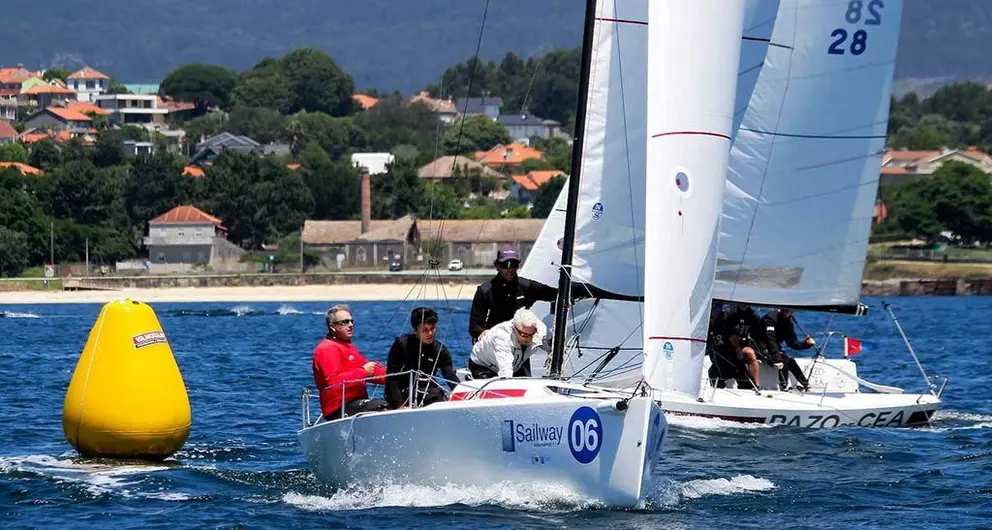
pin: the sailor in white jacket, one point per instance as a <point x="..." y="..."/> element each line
<point x="505" y="349"/>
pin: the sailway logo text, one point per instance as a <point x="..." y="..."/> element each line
<point x="532" y="434"/>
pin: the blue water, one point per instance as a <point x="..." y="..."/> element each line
<point x="245" y="364"/>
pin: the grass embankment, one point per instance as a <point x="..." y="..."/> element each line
<point x="891" y="269"/>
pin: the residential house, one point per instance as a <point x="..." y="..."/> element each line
<point x="413" y="241"/>
<point x="898" y="165"/>
<point x="366" y="101"/>
<point x="445" y="168"/>
<point x="490" y="106"/>
<point x="88" y="83"/>
<point x="143" y="88"/>
<point x="12" y="79"/>
<point x="374" y="162"/>
<point x="445" y="108"/>
<point x="8" y="109"/>
<point x="135" y="148"/>
<point x="506" y="158"/>
<point x="59" y="119"/>
<point x="45" y="95"/>
<point x="209" y="149"/>
<point x="7" y="133"/>
<point x="523" y="127"/>
<point x="132" y="108"/>
<point x="525" y="187"/>
<point x="180" y="110"/>
<point x="23" y="168"/>
<point x="185" y="238"/>
<point x="36" y="81"/>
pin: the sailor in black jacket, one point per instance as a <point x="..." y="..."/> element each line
<point x="778" y="329"/>
<point x="743" y="330"/>
<point x="418" y="351"/>
<point x="498" y="299"/>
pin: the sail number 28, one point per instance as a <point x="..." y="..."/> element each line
<point x="858" y="12"/>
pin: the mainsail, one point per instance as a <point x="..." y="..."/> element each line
<point x="804" y="169"/>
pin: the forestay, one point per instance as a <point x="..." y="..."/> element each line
<point x="804" y="168"/>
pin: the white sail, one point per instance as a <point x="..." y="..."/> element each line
<point x="609" y="251"/>
<point x="804" y="169"/>
<point x="609" y="217"/>
<point x="694" y="48"/>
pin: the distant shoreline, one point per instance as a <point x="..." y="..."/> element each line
<point x="295" y="293"/>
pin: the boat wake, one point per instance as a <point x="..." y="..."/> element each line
<point x="667" y="495"/>
<point x="700" y="423"/>
<point x="955" y="420"/>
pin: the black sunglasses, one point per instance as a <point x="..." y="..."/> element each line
<point x="510" y="265"/>
<point x="345" y="322"/>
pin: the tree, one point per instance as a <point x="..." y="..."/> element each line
<point x="45" y="155"/>
<point x="13" y="252"/>
<point x="90" y="196"/>
<point x="557" y="153"/>
<point x="260" y="124"/>
<point x="318" y="84"/>
<point x="155" y="185"/>
<point x="398" y="192"/>
<point x="335" y="186"/>
<point x="264" y="86"/>
<point x="961" y="195"/>
<point x="476" y="133"/>
<point x="13" y="152"/>
<point x="337" y="136"/>
<point x="546" y="196"/>
<point x="56" y="73"/>
<point x="393" y="122"/>
<point x="440" y="202"/>
<point x="204" y="85"/>
<point x="201" y="128"/>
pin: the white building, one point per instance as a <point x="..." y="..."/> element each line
<point x="132" y="108"/>
<point x="88" y="83"/>
<point x="375" y="162"/>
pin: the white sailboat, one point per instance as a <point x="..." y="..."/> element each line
<point x="598" y="442"/>
<point x="796" y="218"/>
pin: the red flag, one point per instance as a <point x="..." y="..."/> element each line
<point x="854" y="346"/>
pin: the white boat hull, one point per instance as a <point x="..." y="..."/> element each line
<point x="533" y="435"/>
<point x="834" y="400"/>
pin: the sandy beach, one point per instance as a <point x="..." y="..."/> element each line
<point x="304" y="293"/>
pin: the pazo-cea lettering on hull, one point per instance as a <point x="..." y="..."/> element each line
<point x="871" y="419"/>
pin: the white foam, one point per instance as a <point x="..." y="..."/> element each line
<point x="97" y="478"/>
<point x="526" y="496"/>
<point x="701" y="423"/>
<point x="242" y="310"/>
<point x="695" y="489"/>
<point x="289" y="310"/>
<point x="174" y="497"/>
<point x="14" y="314"/>
<point x="957" y="415"/>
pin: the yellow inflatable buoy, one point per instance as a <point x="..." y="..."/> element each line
<point x="126" y="398"/>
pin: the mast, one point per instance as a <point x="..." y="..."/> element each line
<point x="568" y="238"/>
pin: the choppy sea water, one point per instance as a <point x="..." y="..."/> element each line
<point x="245" y="364"/>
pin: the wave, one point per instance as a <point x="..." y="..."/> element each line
<point x="695" y="489"/>
<point x="956" y="420"/>
<point x="14" y="314"/>
<point x="98" y="477"/>
<point x="238" y="311"/>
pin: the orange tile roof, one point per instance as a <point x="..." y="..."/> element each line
<point x="87" y="108"/>
<point x="525" y="182"/>
<point x="68" y="114"/>
<point x="48" y="89"/>
<point x="23" y="168"/>
<point x="512" y="154"/>
<point x="185" y="214"/>
<point x="18" y="74"/>
<point x="32" y="137"/>
<point x="366" y="101"/>
<point x="193" y="171"/>
<point x="7" y="130"/>
<point x="909" y="156"/>
<point x="895" y="171"/>
<point x="88" y="73"/>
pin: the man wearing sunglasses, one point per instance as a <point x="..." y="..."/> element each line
<point x="340" y="371"/>
<point x="499" y="298"/>
<point x="505" y="350"/>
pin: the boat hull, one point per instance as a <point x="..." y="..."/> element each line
<point x="808" y="410"/>
<point x="584" y="444"/>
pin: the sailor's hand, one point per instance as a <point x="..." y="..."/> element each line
<point x="369" y="367"/>
<point x="779" y="366"/>
<point x="810" y="341"/>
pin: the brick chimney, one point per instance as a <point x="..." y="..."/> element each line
<point x="366" y="200"/>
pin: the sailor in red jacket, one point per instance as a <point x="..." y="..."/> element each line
<point x="337" y="363"/>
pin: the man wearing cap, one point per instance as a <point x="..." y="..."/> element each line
<point x="498" y="299"/>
